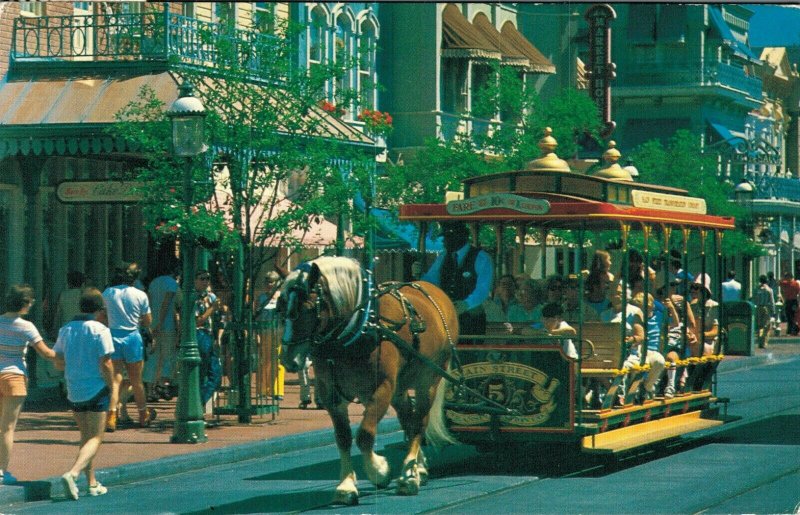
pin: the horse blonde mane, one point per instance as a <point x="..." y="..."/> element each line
<point x="343" y="276"/>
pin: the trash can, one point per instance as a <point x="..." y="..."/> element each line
<point x="739" y="323"/>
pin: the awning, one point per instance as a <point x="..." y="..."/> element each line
<point x="511" y="56"/>
<point x="538" y="62"/>
<point x="732" y="137"/>
<point x="70" y="116"/>
<point x="461" y="39"/>
<point x="737" y="44"/>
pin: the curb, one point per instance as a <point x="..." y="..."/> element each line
<point x="44" y="489"/>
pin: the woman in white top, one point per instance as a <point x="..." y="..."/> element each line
<point x="16" y="334"/>
<point x="128" y="308"/>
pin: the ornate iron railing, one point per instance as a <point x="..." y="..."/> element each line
<point x="140" y="37"/>
<point x="658" y="73"/>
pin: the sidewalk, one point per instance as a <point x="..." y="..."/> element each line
<point x="46" y="437"/>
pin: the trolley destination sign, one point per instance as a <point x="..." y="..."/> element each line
<point x="668" y="202"/>
<point x="99" y="192"/>
<point x="517" y="203"/>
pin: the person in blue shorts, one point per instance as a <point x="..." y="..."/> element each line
<point x="128" y="309"/>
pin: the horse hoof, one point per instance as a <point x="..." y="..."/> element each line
<point x="422" y="468"/>
<point x="346" y="498"/>
<point x="407" y="486"/>
<point x="383" y="482"/>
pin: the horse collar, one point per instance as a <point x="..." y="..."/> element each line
<point x="361" y="319"/>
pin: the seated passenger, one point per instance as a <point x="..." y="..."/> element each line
<point x="527" y="309"/>
<point x="701" y="295"/>
<point x="597" y="286"/>
<point x="497" y="306"/>
<point x="572" y="303"/>
<point x="553" y="321"/>
<point x="653" y="338"/>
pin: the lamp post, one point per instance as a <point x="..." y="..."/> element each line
<point x="744" y="193"/>
<point x="187" y="115"/>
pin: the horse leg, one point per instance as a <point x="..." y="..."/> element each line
<point x="376" y="466"/>
<point x="346" y="491"/>
<point x="415" y="465"/>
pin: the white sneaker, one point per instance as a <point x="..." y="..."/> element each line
<point x="669" y="392"/>
<point x="70" y="487"/>
<point x="97" y="489"/>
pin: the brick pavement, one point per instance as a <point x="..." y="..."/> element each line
<point x="46" y="437"/>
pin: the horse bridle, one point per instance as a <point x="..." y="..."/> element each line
<point x="348" y="330"/>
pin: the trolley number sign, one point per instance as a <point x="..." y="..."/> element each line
<point x="520" y="204"/>
<point x="99" y="192"/>
<point x="536" y="383"/>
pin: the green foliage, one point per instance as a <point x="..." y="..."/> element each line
<point x="441" y="165"/>
<point x="682" y="163"/>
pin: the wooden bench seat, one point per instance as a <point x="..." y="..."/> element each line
<point x="602" y="347"/>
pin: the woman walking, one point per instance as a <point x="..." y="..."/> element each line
<point x="16" y="334"/>
<point x="128" y="309"/>
<point x="83" y="350"/>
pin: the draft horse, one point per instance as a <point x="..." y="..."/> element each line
<point x="371" y="345"/>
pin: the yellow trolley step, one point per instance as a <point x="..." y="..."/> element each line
<point x="638" y="435"/>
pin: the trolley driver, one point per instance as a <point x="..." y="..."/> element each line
<point x="465" y="273"/>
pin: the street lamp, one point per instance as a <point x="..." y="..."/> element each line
<point x="187" y="115"/>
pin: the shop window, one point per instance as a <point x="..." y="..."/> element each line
<point x="187" y="9"/>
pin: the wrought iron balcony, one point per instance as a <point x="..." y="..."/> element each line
<point x="123" y="39"/>
<point x="672" y="74"/>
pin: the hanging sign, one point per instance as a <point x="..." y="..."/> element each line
<point x="520" y="204"/>
<point x="99" y="192"/>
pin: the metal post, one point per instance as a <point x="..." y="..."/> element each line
<point x="189" y="424"/>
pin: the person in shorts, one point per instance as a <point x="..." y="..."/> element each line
<point x="16" y="334"/>
<point x="83" y="350"/>
<point x="128" y="309"/>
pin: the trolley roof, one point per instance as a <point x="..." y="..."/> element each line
<point x="564" y="199"/>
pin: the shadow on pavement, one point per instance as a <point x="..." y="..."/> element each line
<point x="277" y="503"/>
<point x="777" y="430"/>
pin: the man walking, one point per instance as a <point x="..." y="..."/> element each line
<point x="790" y="288"/>
<point x="731" y="289"/>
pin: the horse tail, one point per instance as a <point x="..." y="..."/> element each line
<point x="436" y="433"/>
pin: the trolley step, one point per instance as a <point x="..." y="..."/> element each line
<point x="638" y="435"/>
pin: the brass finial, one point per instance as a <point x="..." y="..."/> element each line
<point x="613" y="170"/>
<point x="549" y="162"/>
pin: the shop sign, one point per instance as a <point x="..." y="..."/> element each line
<point x="99" y="192"/>
<point x="520" y="204"/>
<point x="668" y="202"/>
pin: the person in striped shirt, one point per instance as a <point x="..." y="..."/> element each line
<point x="16" y="335"/>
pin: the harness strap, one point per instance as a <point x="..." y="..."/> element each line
<point x="458" y="383"/>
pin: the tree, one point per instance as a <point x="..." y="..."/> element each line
<point x="275" y="164"/>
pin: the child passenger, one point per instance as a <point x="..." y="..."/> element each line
<point x="553" y="322"/>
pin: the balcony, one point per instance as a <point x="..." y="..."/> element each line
<point x="136" y="40"/>
<point x="660" y="74"/>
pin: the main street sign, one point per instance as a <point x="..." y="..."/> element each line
<point x="99" y="192"/>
